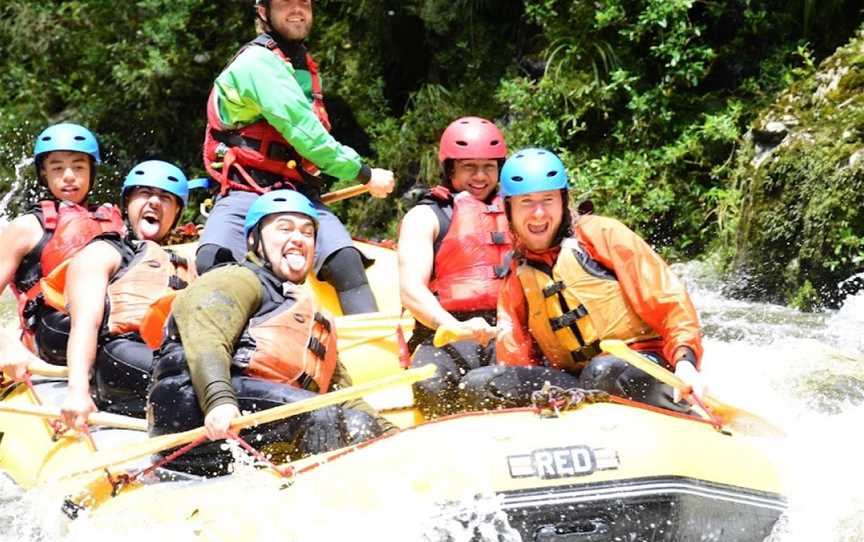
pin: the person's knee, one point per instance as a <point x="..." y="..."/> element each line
<point x="322" y="431"/>
<point x="360" y="426"/>
<point x="122" y="372"/>
<point x="173" y="406"/>
<point x="209" y="256"/>
<point x="52" y="335"/>
<point x="602" y="373"/>
<point x="493" y="387"/>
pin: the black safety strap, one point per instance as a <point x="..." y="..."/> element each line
<point x="176" y="283"/>
<point x="569" y="318"/>
<point x="322" y="320"/>
<point x="317" y="347"/>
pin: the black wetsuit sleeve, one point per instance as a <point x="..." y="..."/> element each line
<point x="211" y="315"/>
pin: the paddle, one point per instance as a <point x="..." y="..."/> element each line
<point x="116" y="456"/>
<point x="445" y="335"/>
<point x="46" y="369"/>
<point x="733" y="417"/>
<point x="344" y="193"/>
<point x="103" y="419"/>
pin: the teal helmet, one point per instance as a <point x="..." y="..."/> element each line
<point x="532" y="170"/>
<point x="66" y="136"/>
<point x="157" y="174"/>
<point x="277" y="202"/>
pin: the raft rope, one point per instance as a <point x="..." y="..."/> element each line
<point x="119" y="481"/>
<point x="57" y="425"/>
<point x="550" y="400"/>
<point x="716" y="422"/>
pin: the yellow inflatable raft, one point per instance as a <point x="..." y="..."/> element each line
<point x="596" y="471"/>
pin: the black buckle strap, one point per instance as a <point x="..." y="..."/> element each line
<point x="499" y="238"/>
<point x="176" y="283"/>
<point x="275" y="150"/>
<point x="177" y="260"/>
<point x="568" y="318"/>
<point x="306" y="382"/>
<point x="322" y="320"/>
<point x="233" y="139"/>
<point x="553" y="288"/>
<point x="316" y="347"/>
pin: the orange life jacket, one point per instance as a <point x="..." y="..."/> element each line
<point x="470" y="252"/>
<point x="235" y="157"/>
<point x="147" y="271"/>
<point x="575" y="305"/>
<point x="288" y="340"/>
<point x="67" y="227"/>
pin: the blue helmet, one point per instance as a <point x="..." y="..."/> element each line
<point x="532" y="170"/>
<point x="67" y="137"/>
<point x="157" y="174"/>
<point x="277" y="202"/>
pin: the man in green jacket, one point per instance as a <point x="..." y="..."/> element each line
<point x="267" y="128"/>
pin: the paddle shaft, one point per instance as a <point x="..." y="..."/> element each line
<point x="46" y="369"/>
<point x="103" y="419"/>
<point x="344" y="193"/>
<point x="157" y="444"/>
<point x="727" y="414"/>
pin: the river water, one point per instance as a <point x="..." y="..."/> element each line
<point x="803" y="371"/>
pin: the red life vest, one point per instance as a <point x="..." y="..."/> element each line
<point x="469" y="264"/>
<point x="288" y="340"/>
<point x="68" y="228"/>
<point x="258" y="147"/>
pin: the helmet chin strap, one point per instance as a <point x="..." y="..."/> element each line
<point x="259" y="248"/>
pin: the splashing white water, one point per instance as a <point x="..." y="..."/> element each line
<point x="806" y="373"/>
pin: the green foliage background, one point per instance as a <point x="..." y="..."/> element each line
<point x="644" y="99"/>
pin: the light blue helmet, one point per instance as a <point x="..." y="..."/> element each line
<point x="67" y="137"/>
<point x="277" y="202"/>
<point x="532" y="170"/>
<point x="157" y="174"/>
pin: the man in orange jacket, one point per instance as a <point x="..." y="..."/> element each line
<point x="576" y="280"/>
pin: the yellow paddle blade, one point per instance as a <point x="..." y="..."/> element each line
<point x="445" y="335"/>
<point x="116" y="456"/>
<point x="735" y="418"/>
<point x="103" y="419"/>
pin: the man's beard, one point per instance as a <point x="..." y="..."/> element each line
<point x="293" y="32"/>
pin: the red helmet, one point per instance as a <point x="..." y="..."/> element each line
<point x="471" y="138"/>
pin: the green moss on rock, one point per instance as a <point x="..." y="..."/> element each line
<point x="801" y="227"/>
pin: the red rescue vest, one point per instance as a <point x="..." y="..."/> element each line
<point x="258" y="147"/>
<point x="68" y="227"/>
<point x="469" y="263"/>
